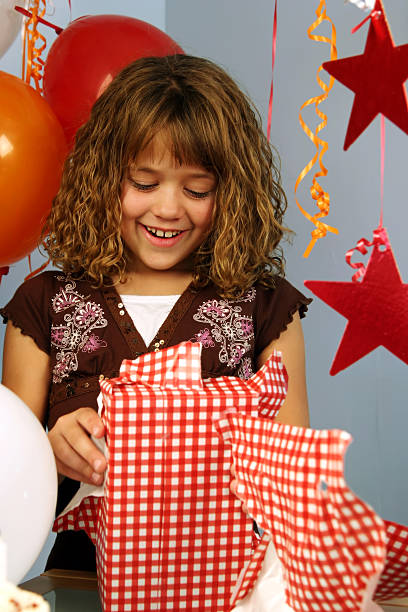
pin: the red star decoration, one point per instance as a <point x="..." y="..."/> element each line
<point x="377" y="77"/>
<point x="376" y="309"/>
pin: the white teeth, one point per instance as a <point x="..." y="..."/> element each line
<point x="161" y="234"/>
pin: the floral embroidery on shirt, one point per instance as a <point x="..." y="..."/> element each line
<point x="203" y="336"/>
<point x="77" y="332"/>
<point x="245" y="369"/>
<point x="232" y="330"/>
<point x="93" y="343"/>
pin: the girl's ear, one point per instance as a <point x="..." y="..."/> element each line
<point x="106" y="81"/>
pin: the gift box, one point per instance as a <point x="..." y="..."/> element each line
<point x="169" y="534"/>
<point x="334" y="552"/>
<point x="393" y="582"/>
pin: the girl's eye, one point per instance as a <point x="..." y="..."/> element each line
<point x="198" y="194"/>
<point x="142" y="186"/>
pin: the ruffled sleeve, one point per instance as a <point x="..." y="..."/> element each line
<point x="274" y="311"/>
<point x="29" y="310"/>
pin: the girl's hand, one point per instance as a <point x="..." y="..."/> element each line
<point x="233" y="488"/>
<point x="76" y="455"/>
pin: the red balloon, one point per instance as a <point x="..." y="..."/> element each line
<point x="32" y="151"/>
<point x="85" y="57"/>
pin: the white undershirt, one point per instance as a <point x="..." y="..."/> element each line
<point x="148" y="312"/>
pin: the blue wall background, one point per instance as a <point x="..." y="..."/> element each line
<point x="369" y="399"/>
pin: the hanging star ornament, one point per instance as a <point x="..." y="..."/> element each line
<point x="376" y="308"/>
<point x="377" y="77"/>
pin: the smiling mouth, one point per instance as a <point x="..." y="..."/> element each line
<point x="162" y="233"/>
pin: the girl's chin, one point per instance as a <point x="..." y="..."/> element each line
<point x="138" y="266"/>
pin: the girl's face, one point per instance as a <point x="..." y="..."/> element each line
<point x="166" y="208"/>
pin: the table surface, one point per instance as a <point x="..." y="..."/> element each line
<point x="67" y="591"/>
<point x="71" y="591"/>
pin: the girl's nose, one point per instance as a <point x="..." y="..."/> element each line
<point x="167" y="204"/>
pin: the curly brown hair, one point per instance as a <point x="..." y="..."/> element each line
<point x="210" y="122"/>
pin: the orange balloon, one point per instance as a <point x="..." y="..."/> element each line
<point x="32" y="151"/>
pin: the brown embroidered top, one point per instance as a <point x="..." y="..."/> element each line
<point x="87" y="332"/>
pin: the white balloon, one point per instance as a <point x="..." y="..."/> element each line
<point x="28" y="484"/>
<point x="10" y="23"/>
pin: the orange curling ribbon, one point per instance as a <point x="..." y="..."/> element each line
<point x="33" y="45"/>
<point x="319" y="195"/>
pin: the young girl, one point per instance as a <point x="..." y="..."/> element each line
<point x="165" y="229"/>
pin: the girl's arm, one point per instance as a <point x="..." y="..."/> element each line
<point x="294" y="410"/>
<point x="26" y="371"/>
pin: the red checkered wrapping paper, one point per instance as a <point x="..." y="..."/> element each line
<point x="330" y="543"/>
<point x="393" y="581"/>
<point x="249" y="574"/>
<point x="169" y="534"/>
